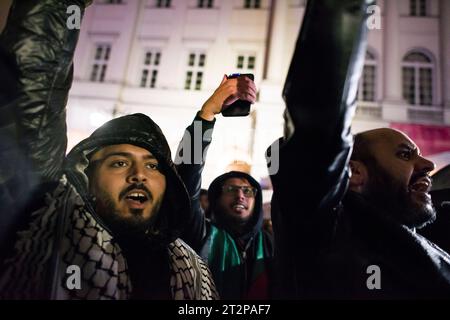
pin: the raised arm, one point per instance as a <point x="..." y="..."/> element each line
<point x="191" y="154"/>
<point x="36" y="51"/>
<point x="38" y="38"/>
<point x="320" y="93"/>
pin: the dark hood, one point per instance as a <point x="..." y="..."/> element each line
<point x="214" y="191"/>
<point x="139" y="130"/>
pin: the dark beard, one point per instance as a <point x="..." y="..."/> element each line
<point x="235" y="225"/>
<point x="389" y="196"/>
<point x="135" y="227"/>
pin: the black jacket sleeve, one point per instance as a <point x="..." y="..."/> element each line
<point x="42" y="46"/>
<point x="320" y="93"/>
<point x="37" y="51"/>
<point x="190" y="160"/>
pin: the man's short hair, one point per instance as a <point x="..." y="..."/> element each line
<point x="362" y="148"/>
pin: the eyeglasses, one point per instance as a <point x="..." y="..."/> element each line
<point x="249" y="192"/>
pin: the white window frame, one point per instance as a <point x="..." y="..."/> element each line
<point x="416" y="67"/>
<point x="246" y="56"/>
<point x="150" y="64"/>
<point x="371" y="61"/>
<point x="101" y="62"/>
<point x="416" y="4"/>
<point x="196" y="66"/>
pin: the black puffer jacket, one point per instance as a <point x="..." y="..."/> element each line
<point x="329" y="242"/>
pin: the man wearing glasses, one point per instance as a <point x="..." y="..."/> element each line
<point x="238" y="251"/>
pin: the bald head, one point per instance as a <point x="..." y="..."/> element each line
<point x="388" y="169"/>
<point x="366" y="143"/>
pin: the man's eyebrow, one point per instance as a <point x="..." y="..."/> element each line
<point x="409" y="147"/>
<point x="149" y="157"/>
<point x="113" y="154"/>
<point x="126" y="155"/>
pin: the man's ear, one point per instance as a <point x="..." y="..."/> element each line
<point x="359" y="176"/>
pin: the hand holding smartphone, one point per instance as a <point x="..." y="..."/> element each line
<point x="240" y="108"/>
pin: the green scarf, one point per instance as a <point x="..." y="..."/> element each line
<point x="227" y="265"/>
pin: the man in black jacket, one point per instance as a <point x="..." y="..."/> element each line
<point x="344" y="222"/>
<point x="105" y="219"/>
<point x="237" y="249"/>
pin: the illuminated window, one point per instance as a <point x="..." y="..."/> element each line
<point x="100" y="62"/>
<point x="418" y="79"/>
<point x="367" y="83"/>
<point x="246" y="63"/>
<point x="150" y="68"/>
<point x="195" y="71"/>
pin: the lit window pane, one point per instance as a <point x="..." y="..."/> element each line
<point x="144" y="78"/>
<point x="409" y="85"/>
<point x="198" y="83"/>
<point x="251" y="62"/>
<point x="240" y="62"/>
<point x="425" y="87"/>
<point x="148" y="58"/>
<point x="188" y="81"/>
<point x="107" y="52"/>
<point x="368" y="85"/>
<point x="94" y="72"/>
<point x="98" y="52"/>
<point x="153" y="79"/>
<point x="201" y="62"/>
<point x="103" y="73"/>
<point x="191" y="59"/>
<point x="157" y="57"/>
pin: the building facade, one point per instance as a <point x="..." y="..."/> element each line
<point x="164" y="58"/>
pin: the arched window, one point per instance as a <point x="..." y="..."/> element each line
<point x="418" y="79"/>
<point x="367" y="84"/>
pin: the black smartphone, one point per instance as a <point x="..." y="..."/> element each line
<point x="240" y="108"/>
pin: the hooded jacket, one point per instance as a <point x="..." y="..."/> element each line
<point x="65" y="250"/>
<point x="330" y="242"/>
<point x="241" y="264"/>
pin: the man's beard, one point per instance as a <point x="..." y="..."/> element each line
<point x="134" y="226"/>
<point x="232" y="223"/>
<point x="387" y="194"/>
